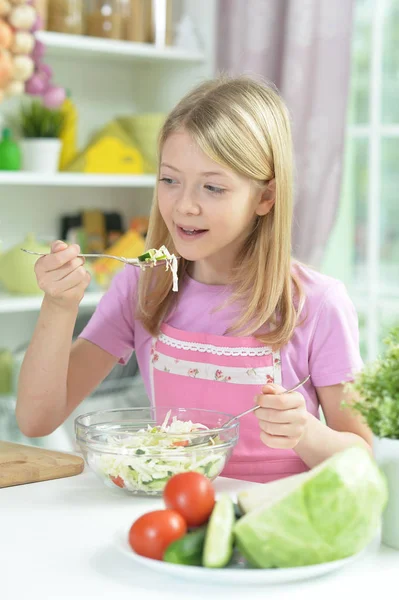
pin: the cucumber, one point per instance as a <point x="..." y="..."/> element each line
<point x="238" y="512"/>
<point x="214" y="469"/>
<point x="157" y="484"/>
<point x="188" y="549"/>
<point x="146" y="256"/>
<point x="218" y="547"/>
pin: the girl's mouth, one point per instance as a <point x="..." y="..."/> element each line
<point x="190" y="232"/>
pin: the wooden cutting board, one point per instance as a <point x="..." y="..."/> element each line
<point x="27" y="464"/>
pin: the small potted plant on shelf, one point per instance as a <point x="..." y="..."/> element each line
<point x="40" y="130"/>
<point x="376" y="390"/>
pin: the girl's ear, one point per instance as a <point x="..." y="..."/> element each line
<point x="267" y="198"/>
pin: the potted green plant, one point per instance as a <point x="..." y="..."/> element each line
<point x="40" y="129"/>
<point x="376" y="389"/>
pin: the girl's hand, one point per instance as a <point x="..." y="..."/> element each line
<point x="282" y="418"/>
<point x="62" y="276"/>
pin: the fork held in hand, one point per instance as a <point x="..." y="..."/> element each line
<point x="253" y="408"/>
<point x="128" y="261"/>
<point x="204" y="439"/>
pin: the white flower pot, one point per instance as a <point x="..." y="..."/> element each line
<point x="386" y="452"/>
<point x="41" y="155"/>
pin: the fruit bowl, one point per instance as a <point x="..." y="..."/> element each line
<point x="137" y="450"/>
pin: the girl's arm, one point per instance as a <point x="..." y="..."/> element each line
<point x="343" y="429"/>
<point x="57" y="375"/>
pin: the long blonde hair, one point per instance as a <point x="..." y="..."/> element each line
<point x="241" y="124"/>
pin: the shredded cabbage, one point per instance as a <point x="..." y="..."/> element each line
<point x="170" y="262"/>
<point x="145" y="461"/>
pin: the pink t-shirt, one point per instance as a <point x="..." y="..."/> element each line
<point x="325" y="344"/>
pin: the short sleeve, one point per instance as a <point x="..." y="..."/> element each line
<point x="334" y="354"/>
<point x="112" y="325"/>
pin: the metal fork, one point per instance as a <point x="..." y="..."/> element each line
<point x="128" y="261"/>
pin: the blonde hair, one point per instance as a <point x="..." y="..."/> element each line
<point x="243" y="125"/>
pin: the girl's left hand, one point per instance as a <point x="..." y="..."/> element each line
<point x="282" y="418"/>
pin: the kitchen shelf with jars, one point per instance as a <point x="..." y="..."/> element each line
<point x="92" y="150"/>
<point x="79" y="128"/>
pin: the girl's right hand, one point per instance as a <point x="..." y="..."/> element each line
<point x="62" y="276"/>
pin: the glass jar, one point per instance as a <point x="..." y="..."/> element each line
<point x="104" y="19"/>
<point x="137" y="20"/>
<point x="148" y="21"/>
<point x="65" y="16"/>
<point x="41" y="7"/>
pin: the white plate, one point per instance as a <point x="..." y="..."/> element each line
<point x="232" y="575"/>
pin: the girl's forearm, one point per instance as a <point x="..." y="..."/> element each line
<point x="319" y="442"/>
<point x="42" y="386"/>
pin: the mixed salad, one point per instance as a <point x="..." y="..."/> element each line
<point x="153" y="256"/>
<point x="145" y="460"/>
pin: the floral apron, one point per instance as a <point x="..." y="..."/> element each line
<point x="222" y="373"/>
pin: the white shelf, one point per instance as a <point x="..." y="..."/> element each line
<point x="86" y="46"/>
<point x="76" y="179"/>
<point x="15" y="304"/>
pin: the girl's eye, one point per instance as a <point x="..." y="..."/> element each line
<point x="168" y="180"/>
<point x="215" y="190"/>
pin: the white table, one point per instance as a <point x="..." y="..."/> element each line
<point x="56" y="542"/>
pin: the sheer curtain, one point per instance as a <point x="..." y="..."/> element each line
<point x="304" y="47"/>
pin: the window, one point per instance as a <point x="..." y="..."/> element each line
<point x="364" y="248"/>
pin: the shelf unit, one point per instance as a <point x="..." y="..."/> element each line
<point x="108" y="79"/>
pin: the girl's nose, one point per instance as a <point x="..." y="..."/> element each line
<point x="186" y="203"/>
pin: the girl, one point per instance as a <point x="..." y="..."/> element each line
<point x="247" y="323"/>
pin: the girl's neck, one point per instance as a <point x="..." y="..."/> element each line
<point x="210" y="272"/>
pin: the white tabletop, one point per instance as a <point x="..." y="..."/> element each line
<point x="56" y="541"/>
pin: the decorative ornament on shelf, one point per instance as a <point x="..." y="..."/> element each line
<point x="186" y="35"/>
<point x="40" y="128"/>
<point x="22" y="69"/>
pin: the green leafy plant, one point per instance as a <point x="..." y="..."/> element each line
<point x="36" y="121"/>
<point x="376" y="391"/>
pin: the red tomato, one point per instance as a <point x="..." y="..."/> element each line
<point x="152" y="533"/>
<point x="117" y="481"/>
<point x="192" y="495"/>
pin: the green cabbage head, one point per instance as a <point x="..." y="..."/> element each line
<point x="331" y="512"/>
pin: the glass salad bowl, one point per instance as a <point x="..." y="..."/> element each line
<point x="137" y="450"/>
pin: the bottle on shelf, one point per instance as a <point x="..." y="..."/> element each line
<point x="136" y="19"/>
<point x="41" y="7"/>
<point x="148" y="21"/>
<point x="10" y="153"/>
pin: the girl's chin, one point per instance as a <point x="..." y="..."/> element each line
<point x="190" y="251"/>
<point x="191" y="255"/>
